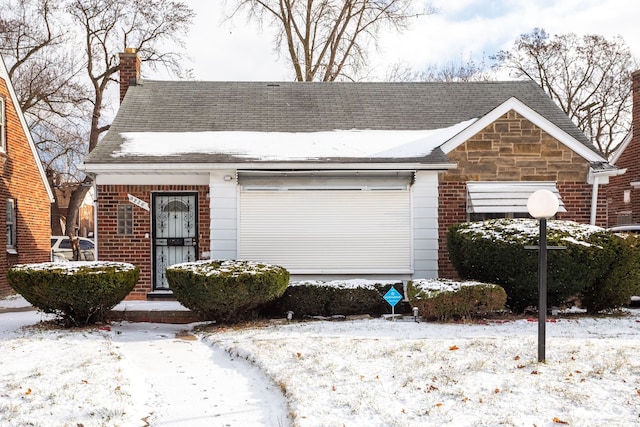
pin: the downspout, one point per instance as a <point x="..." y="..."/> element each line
<point x="95" y="217"/>
<point x="594" y="200"/>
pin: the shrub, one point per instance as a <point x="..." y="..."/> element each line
<point x="226" y="290"/>
<point x="620" y="282"/>
<point x="80" y="293"/>
<point x="314" y="298"/>
<point x="444" y="299"/>
<point x="494" y="252"/>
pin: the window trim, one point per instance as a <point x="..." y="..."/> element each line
<point x="11" y="217"/>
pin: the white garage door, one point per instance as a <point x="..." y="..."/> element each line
<point x="316" y="231"/>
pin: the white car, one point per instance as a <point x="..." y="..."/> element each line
<point x="61" y="249"/>
<point x="629" y="228"/>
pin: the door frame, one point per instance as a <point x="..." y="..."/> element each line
<point x="154" y="196"/>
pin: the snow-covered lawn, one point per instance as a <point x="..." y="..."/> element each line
<point x="371" y="372"/>
<point x="382" y="373"/>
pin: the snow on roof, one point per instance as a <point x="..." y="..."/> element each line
<point x="291" y="145"/>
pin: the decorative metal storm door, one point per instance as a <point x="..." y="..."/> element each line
<point x="175" y="233"/>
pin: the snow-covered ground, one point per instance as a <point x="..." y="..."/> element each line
<point x="371" y="372"/>
<point x="125" y="374"/>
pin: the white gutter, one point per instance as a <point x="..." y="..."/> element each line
<point x="594" y="199"/>
<point x="95" y="218"/>
<point x="179" y="168"/>
<point x="594" y="178"/>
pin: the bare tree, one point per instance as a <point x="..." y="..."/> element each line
<point x="329" y="40"/>
<point x="34" y="43"/>
<point x="63" y="89"/>
<point x="588" y="77"/>
<point x="452" y="71"/>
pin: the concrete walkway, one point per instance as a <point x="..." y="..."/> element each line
<point x="194" y="384"/>
<point x="187" y="382"/>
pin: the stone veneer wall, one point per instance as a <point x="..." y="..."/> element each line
<point x="136" y="248"/>
<point x="513" y="149"/>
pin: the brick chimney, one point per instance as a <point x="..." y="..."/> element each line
<point x="129" y="70"/>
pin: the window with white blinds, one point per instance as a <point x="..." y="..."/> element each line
<point x="343" y="231"/>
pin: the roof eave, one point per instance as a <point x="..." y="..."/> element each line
<point x="200" y="168"/>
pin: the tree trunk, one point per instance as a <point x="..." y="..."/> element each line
<point x="56" y="225"/>
<point x="75" y="201"/>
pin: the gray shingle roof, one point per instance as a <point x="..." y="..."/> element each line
<point x="192" y="106"/>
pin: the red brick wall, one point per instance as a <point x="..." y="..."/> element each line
<point x="22" y="181"/>
<point x="452" y="209"/>
<point x="629" y="160"/>
<point x="136" y="248"/>
<point x="513" y="149"/>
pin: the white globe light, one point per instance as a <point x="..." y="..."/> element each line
<point x="542" y="204"/>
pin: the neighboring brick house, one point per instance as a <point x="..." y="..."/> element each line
<point x="623" y="192"/>
<point x="24" y="192"/>
<point x="330" y="180"/>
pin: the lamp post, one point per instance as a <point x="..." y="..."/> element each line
<point x="542" y="205"/>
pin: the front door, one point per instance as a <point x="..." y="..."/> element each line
<point x="175" y="233"/>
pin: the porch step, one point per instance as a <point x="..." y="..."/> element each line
<point x="157" y="311"/>
<point x="154" y="316"/>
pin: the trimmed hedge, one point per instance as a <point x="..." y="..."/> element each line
<point x="621" y="281"/>
<point x="346" y="298"/>
<point x="79" y="293"/>
<point x="494" y="252"/>
<point x="442" y="299"/>
<point x="226" y="290"/>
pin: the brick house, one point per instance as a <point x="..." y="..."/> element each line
<point x="330" y="180"/>
<point x="26" y="195"/>
<point x="623" y="192"/>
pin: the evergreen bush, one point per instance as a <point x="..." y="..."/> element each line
<point x="79" y="293"/>
<point x="315" y="298"/>
<point x="621" y="281"/>
<point x="495" y="251"/>
<point x="443" y="300"/>
<point x="226" y="290"/>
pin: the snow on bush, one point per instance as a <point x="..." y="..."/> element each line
<point x="79" y="293"/>
<point x="226" y="290"/>
<point x="591" y="264"/>
<point x="442" y="299"/>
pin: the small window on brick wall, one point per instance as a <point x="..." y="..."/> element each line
<point x="11" y="225"/>
<point x="125" y="219"/>
<point x="624" y="218"/>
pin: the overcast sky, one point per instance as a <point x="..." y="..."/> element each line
<point x="240" y="51"/>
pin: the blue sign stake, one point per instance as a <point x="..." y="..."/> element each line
<point x="393" y="297"/>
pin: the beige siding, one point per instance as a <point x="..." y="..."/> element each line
<point x="223" y="194"/>
<point x="425" y="225"/>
